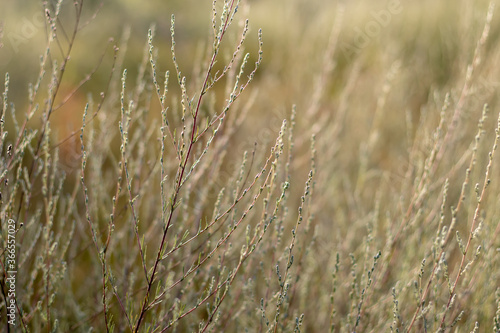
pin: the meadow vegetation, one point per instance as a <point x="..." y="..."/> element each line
<point x="250" y="166"/>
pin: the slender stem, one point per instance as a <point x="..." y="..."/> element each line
<point x="181" y="171"/>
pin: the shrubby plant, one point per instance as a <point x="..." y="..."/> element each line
<point x="181" y="204"/>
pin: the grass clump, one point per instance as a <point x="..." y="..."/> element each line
<point x="252" y="182"/>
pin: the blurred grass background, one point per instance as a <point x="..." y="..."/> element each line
<point x="432" y="41"/>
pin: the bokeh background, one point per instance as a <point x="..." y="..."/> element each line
<point x="429" y="42"/>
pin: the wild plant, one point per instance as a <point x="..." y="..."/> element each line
<point x="275" y="184"/>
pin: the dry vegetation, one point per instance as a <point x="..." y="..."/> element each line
<point x="260" y="166"/>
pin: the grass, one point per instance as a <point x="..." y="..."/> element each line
<point x="334" y="170"/>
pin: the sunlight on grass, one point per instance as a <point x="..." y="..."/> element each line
<point x="260" y="166"/>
